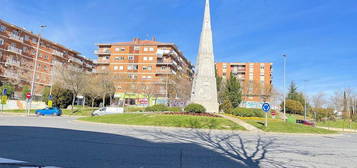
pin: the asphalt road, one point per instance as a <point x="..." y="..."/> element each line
<point x="64" y="142"/>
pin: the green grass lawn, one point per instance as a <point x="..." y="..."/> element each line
<point x="338" y="124"/>
<point x="185" y="121"/>
<point x="280" y="126"/>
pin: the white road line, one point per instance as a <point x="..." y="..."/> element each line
<point x="4" y="160"/>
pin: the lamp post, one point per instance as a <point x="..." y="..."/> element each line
<point x="35" y="68"/>
<point x="284" y="57"/>
<point x="305" y="99"/>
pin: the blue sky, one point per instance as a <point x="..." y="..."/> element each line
<point x="319" y="36"/>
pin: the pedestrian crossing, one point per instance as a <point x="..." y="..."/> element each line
<point x="11" y="163"/>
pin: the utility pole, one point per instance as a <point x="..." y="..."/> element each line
<point x="35" y="68"/>
<point x="284" y="92"/>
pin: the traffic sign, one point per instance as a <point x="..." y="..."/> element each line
<point x="273" y="113"/>
<point x="28" y="95"/>
<point x="50" y="97"/>
<point x="49" y="103"/>
<point x="4" y="92"/>
<point x="266" y="107"/>
<point x="3" y="99"/>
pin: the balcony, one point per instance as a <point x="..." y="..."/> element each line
<point x="102" y="52"/>
<point x="102" y="61"/>
<point x="163" y="71"/>
<point x="57" y="53"/>
<point x="16" y="37"/>
<point x="14" y="50"/>
<point x="11" y="74"/>
<point x="13" y="62"/>
<point x="76" y="60"/>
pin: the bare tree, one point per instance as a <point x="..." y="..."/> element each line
<point x="106" y="84"/>
<point x="73" y="79"/>
<point x="91" y="88"/>
<point x="149" y="90"/>
<point x="319" y="100"/>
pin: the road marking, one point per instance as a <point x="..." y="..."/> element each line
<point x="21" y="163"/>
<point x="4" y="160"/>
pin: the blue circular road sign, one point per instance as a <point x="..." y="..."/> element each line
<point x="266" y="107"/>
<point x="4" y="92"/>
<point x="50" y="97"/>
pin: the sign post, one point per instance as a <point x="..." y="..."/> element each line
<point x="266" y="109"/>
<point x="28" y="96"/>
<point x="3" y="99"/>
<point x="49" y="103"/>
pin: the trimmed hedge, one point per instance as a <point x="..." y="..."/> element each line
<point x="248" y="112"/>
<point x="157" y="108"/>
<point x="162" y="108"/>
<point x="195" y="108"/>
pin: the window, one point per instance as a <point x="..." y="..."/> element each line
<point x="1" y="41"/>
<point x="119" y="58"/>
<point x="46" y="57"/>
<point x="103" y="67"/>
<point x="224" y="66"/>
<point x="106" y="57"/>
<point x="34" y="40"/>
<point x="121" y="68"/>
<point x="145" y="58"/>
<point x="146" y="49"/>
<point x="150" y="58"/>
<point x="24" y="49"/>
<point x="0" y="54"/>
<point x="2" y="28"/>
<point x="147" y="68"/>
<point x="132" y="76"/>
<point x="132" y="67"/>
<point x="131" y="57"/>
<point x="27" y="37"/>
<point x="116" y="67"/>
<point x="149" y="77"/>
<point x="151" y="49"/>
<point x="136" y="48"/>
<point x="163" y="67"/>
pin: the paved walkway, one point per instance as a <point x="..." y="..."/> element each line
<point x="241" y="123"/>
<point x="339" y="129"/>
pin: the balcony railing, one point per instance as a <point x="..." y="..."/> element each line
<point x="13" y="62"/>
<point x="11" y="74"/>
<point x="58" y="53"/>
<point x="16" y="37"/>
<point x="107" y="61"/>
<point x="14" y="49"/>
<point x="101" y="52"/>
<point x="76" y="60"/>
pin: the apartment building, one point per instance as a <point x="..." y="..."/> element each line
<point x="255" y="79"/>
<point x="17" y="58"/>
<point x="146" y="68"/>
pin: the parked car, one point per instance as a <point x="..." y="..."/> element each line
<point x="305" y="122"/>
<point x="108" y="110"/>
<point x="49" y="111"/>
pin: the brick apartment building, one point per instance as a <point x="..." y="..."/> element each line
<point x="17" y="58"/>
<point x="146" y="67"/>
<point x="255" y="78"/>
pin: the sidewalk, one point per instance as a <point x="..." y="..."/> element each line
<point x="339" y="129"/>
<point x="241" y="123"/>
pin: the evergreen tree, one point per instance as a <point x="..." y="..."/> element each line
<point x="233" y="91"/>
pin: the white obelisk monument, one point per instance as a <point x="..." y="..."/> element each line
<point x="204" y="89"/>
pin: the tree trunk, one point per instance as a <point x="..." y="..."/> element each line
<point x="104" y="100"/>
<point x="74" y="98"/>
<point x="93" y="102"/>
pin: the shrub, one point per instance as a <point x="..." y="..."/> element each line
<point x="157" y="108"/>
<point x="323" y="113"/>
<point x="293" y="107"/>
<point x="134" y="109"/>
<point x="195" y="108"/>
<point x="226" y="106"/>
<point x="246" y="112"/>
<point x="175" y="109"/>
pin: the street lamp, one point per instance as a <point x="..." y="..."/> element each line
<point x="305" y="99"/>
<point x="284" y="57"/>
<point x="35" y="68"/>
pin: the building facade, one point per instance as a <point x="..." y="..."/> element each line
<point x="255" y="79"/>
<point x="146" y="70"/>
<point x="17" y="59"/>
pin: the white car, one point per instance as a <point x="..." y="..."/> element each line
<point x="108" y="110"/>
